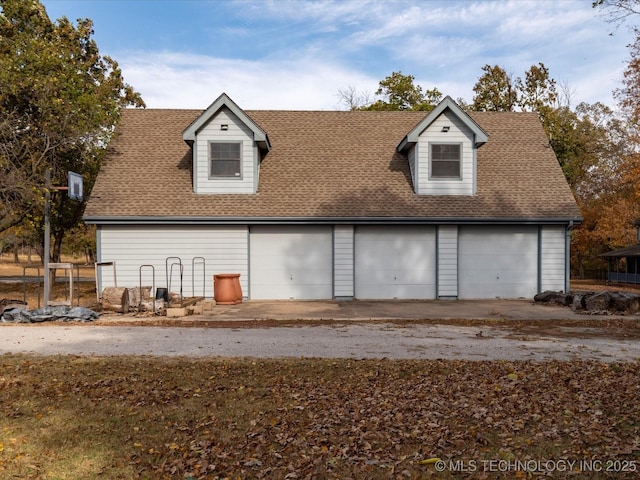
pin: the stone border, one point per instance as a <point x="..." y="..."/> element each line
<point x="593" y="303"/>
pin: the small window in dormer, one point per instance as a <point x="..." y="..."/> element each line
<point x="445" y="160"/>
<point x="224" y="159"/>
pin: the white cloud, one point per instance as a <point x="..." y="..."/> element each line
<point x="313" y="49"/>
<point x="172" y="80"/>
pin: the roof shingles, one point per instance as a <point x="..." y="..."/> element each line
<point x="325" y="164"/>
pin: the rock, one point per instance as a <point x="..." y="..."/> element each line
<point x="578" y="300"/>
<point x="549" y="296"/>
<point x="593" y="302"/>
<point x="597" y="301"/>
<point x="625" y="302"/>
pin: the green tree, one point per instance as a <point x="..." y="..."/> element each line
<point x="538" y="91"/>
<point x="498" y="91"/>
<point x="495" y="91"/>
<point x="59" y="102"/>
<point x="399" y="92"/>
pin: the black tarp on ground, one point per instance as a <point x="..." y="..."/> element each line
<point x="47" y="314"/>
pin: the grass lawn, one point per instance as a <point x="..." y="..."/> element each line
<point x="140" y="417"/>
<point x="9" y="268"/>
<point x="34" y="291"/>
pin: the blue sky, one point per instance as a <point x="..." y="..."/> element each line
<point x="281" y="54"/>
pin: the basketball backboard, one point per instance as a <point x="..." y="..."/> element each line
<point x="75" y="186"/>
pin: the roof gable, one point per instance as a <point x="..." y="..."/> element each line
<point x="446" y="104"/>
<point x="259" y="135"/>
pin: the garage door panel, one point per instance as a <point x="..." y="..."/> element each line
<point x="395" y="262"/>
<point x="498" y="262"/>
<point x="309" y="277"/>
<point x="385" y="292"/>
<point x="291" y="263"/>
<point x="316" y="276"/>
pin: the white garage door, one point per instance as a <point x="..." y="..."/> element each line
<point x="395" y="262"/>
<point x="290" y="263"/>
<point x="498" y="262"/>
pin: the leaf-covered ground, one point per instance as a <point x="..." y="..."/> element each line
<point x="123" y="417"/>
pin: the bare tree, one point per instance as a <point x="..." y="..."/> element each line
<point x="566" y="94"/>
<point x="352" y="98"/>
<point x="616" y="12"/>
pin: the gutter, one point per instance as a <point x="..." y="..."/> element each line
<point x="181" y="220"/>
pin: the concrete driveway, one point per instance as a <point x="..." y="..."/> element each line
<point x="465" y="330"/>
<point x="381" y="310"/>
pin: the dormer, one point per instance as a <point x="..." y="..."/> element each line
<point x="227" y="147"/>
<point x="442" y="151"/>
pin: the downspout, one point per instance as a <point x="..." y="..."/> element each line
<point x="567" y="257"/>
<point x="539" y="286"/>
<point x="437" y="262"/>
<point x="99" y="259"/>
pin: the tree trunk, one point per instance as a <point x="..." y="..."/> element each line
<point x="58" y="236"/>
<point x="115" y="299"/>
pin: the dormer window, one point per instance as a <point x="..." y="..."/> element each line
<point x="225" y="159"/>
<point x="442" y="151"/>
<point x="445" y="160"/>
<point x="227" y="147"/>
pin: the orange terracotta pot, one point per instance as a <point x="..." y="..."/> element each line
<point x="237" y="288"/>
<point x="226" y="288"/>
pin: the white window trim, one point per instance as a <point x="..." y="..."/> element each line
<point x="210" y="160"/>
<point x="445" y="179"/>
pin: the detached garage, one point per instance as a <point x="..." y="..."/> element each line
<point x="317" y="205"/>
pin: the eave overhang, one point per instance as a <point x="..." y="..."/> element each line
<point x="126" y="220"/>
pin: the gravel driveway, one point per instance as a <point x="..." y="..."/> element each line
<point x="341" y="340"/>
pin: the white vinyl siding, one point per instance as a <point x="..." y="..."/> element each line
<point x="498" y="262"/>
<point x="459" y="134"/>
<point x="343" y="261"/>
<point x="236" y="132"/>
<point x="395" y="262"/>
<point x="225" y="250"/>
<point x="552" y="262"/>
<point x="291" y="263"/>
<point x="447" y="261"/>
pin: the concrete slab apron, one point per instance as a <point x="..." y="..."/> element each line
<point x="363" y="310"/>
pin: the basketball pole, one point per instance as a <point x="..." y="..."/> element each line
<point x="47" y="227"/>
<point x="47" y="234"/>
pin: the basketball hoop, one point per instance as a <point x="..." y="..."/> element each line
<point x="75" y="186"/>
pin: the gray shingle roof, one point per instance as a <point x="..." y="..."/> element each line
<point x="329" y="164"/>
